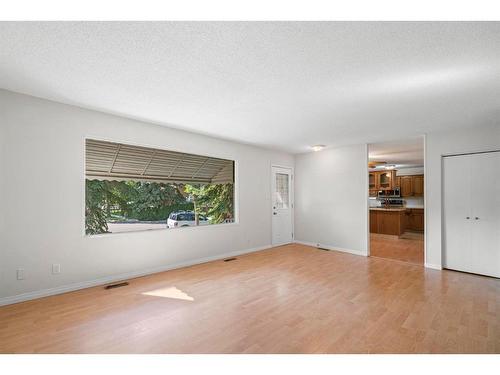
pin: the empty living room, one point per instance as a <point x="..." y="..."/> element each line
<point x="226" y="186"/>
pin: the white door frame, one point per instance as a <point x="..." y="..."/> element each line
<point x="367" y="183"/>
<point x="367" y="199"/>
<point x="292" y="198"/>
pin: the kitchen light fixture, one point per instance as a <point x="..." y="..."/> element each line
<point x="318" y="147"/>
<point x="390" y="166"/>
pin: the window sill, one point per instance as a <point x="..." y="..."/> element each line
<point x="201" y="227"/>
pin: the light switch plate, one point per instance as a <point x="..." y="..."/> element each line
<point x="56" y="268"/>
<point x="20" y="273"/>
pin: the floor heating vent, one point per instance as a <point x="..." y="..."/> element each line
<point x="321" y="248"/>
<point x="117" y="285"/>
<point x="229" y="259"/>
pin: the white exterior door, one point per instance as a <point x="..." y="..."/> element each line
<point x="472" y="213"/>
<point x="282" y="205"/>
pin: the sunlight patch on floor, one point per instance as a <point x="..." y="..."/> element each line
<point x="170" y="292"/>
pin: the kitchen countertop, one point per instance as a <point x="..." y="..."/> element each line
<point x="388" y="209"/>
<point x="395" y="208"/>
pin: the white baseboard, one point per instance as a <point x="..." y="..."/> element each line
<point x="334" y="248"/>
<point x="124" y="276"/>
<point x="433" y="266"/>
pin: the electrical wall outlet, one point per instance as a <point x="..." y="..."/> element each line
<point x="20" y="273"/>
<point x="56" y="268"/>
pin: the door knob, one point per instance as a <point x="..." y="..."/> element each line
<point x="476" y="218"/>
<point x="467" y="217"/>
<point x="274" y="213"/>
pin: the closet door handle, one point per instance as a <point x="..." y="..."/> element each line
<point x="468" y="217"/>
<point x="476" y="218"/>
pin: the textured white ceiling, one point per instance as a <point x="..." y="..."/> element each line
<point x="403" y="153"/>
<point x="284" y="85"/>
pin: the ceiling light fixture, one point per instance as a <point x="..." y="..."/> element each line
<point x="317" y="148"/>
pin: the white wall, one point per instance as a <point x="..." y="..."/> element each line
<point x="409" y="171"/>
<point x="414" y="202"/>
<point x="42" y="198"/>
<point x="41" y="215"/>
<point x="438" y="144"/>
<point x="331" y="189"/>
<point x="2" y="183"/>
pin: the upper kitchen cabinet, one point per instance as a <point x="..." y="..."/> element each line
<point x="373" y="180"/>
<point x="406" y="186"/>
<point x="381" y="180"/>
<point x="386" y="179"/>
<point x="412" y="186"/>
<point x="373" y="185"/>
<point x="418" y="185"/>
<point x="397" y="182"/>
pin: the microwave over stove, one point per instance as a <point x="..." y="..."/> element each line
<point x="389" y="193"/>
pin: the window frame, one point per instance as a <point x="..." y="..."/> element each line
<point x="236" y="186"/>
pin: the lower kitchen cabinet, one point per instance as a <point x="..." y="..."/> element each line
<point x="396" y="222"/>
<point x="373" y="222"/>
<point x="415" y="219"/>
<point x="387" y="221"/>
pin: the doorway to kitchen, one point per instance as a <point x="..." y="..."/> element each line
<point x="396" y="200"/>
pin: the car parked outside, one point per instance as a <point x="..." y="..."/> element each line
<point x="184" y="219"/>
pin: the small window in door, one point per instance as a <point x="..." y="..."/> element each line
<point x="282" y="191"/>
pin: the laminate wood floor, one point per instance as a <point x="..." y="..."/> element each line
<point x="408" y="248"/>
<point x="290" y="299"/>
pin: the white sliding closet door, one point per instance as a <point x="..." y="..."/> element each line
<point x="457" y="202"/>
<point x="485" y="219"/>
<point x="471" y="190"/>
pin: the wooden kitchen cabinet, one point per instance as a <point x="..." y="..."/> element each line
<point x="386" y="179"/>
<point x="387" y="221"/>
<point x="381" y="180"/>
<point x="372" y="180"/>
<point x="396" y="222"/>
<point x="397" y="182"/>
<point x="412" y="186"/>
<point x="406" y="186"/>
<point x="415" y="219"/>
<point x="418" y="185"/>
<point x="373" y="222"/>
<point x="373" y="185"/>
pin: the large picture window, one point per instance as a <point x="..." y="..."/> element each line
<point x="130" y="188"/>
